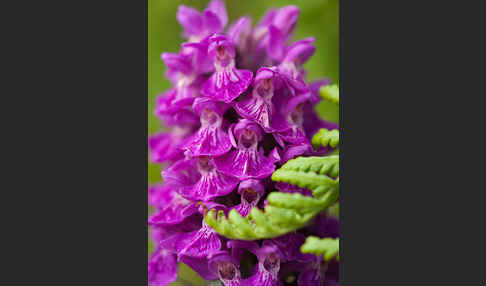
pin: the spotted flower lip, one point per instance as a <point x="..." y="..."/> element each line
<point x="227" y="82"/>
<point x="258" y="105"/>
<point x="210" y="139"/>
<point x="247" y="161"/>
<point x="199" y="179"/>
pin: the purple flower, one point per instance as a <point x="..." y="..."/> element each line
<point x="250" y="191"/>
<point x="247" y="161"/>
<point x="228" y="82"/>
<point x="199" y="25"/>
<point x="172" y="208"/>
<point x="274" y="30"/>
<point x="266" y="271"/>
<point x="210" y="139"/>
<point x="199" y="179"/>
<point x="229" y="130"/>
<point x="164" y="146"/>
<point x="198" y="243"/>
<point x="259" y="106"/>
<point x="162" y="268"/>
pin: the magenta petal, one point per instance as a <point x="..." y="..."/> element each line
<point x="212" y="24"/>
<point x="199" y="243"/>
<point x="239" y="33"/>
<point x="276" y="44"/>
<point x="163" y="147"/>
<point x="174" y="212"/>
<point x="172" y="208"/>
<point x="190" y="19"/>
<point x="245" y="164"/>
<point x="286" y="19"/>
<point x="182" y="173"/>
<point x="212" y="184"/>
<point x="219" y="9"/>
<point x="292" y="151"/>
<point x="198" y="179"/>
<point x="208" y="141"/>
<point x="257" y="109"/>
<point x="162" y="268"/>
<point x="227" y="85"/>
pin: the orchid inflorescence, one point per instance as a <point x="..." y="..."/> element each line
<point x="246" y="166"/>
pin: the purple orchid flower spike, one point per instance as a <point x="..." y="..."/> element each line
<point x="247" y="161"/>
<point x="210" y="139"/>
<point x="226" y="140"/>
<point x="199" y="25"/>
<point x="162" y="268"/>
<point x="258" y="106"/>
<point x="227" y="83"/>
<point x="198" y="179"/>
<point x="172" y="208"/>
<point x="251" y="191"/>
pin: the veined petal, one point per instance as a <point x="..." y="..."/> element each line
<point x="227" y="85"/>
<point x="245" y="164"/>
<point x="200" y="243"/>
<point x="208" y="141"/>
<point x="162" y="268"/>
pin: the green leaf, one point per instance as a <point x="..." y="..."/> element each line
<point x="329" y="247"/>
<point x="330" y="93"/>
<point x="284" y="212"/>
<point x="325" y="137"/>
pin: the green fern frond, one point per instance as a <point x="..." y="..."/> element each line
<point x="325" y="137"/>
<point x="330" y="93"/>
<point x="329" y="247"/>
<point x="285" y="212"/>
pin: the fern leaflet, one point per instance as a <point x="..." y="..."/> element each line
<point x="329" y="247"/>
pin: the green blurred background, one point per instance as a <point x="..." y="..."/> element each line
<point x="318" y="18"/>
